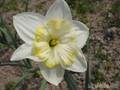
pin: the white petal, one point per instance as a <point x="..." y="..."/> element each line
<point x="53" y="75"/>
<point x="66" y="53"/>
<point x="80" y="65"/>
<point x="25" y="51"/>
<point x="22" y="52"/>
<point x="82" y="33"/>
<point x="59" y="10"/>
<point x="26" y="24"/>
<point x="79" y="26"/>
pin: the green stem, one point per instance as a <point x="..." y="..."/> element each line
<point x="14" y="64"/>
<point x="29" y="62"/>
<point x="34" y="69"/>
<point x="26" y="63"/>
<point x="26" y="5"/>
<point x="43" y="84"/>
<point x="87" y="72"/>
<point x="61" y="88"/>
<point x="23" y="77"/>
<point x="70" y="81"/>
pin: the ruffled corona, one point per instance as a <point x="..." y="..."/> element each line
<point x="48" y="41"/>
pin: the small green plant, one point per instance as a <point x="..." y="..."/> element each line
<point x="71" y="3"/>
<point x="39" y="6"/>
<point x="100" y="55"/>
<point x="81" y="9"/>
<point x="116" y="77"/>
<point x="90" y="27"/>
<point x="115" y="10"/>
<point x="84" y="20"/>
<point x="99" y="77"/>
<point x="11" y="5"/>
<point x="109" y="65"/>
<point x="9" y="85"/>
<point x="84" y="6"/>
<point x="2" y="4"/>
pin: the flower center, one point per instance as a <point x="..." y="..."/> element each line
<point x="53" y="42"/>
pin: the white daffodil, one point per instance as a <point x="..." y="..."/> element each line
<point x="55" y="41"/>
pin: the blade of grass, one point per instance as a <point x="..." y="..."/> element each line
<point x="4" y="24"/>
<point x="43" y="84"/>
<point x="14" y="64"/>
<point x="4" y="32"/>
<point x="16" y="39"/>
<point x="70" y="81"/>
<point x="3" y="45"/>
<point x="23" y="77"/>
<point x="3" y="42"/>
<point x="8" y="31"/>
<point x="3" y="36"/>
<point x="26" y="6"/>
<point x="29" y="62"/>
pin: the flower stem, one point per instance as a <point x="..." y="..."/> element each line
<point x="70" y="81"/>
<point x="87" y="72"/>
<point x="43" y="84"/>
<point x="26" y="6"/>
<point x="61" y="88"/>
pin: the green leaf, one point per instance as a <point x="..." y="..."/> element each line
<point x="4" y="37"/>
<point x="27" y="63"/>
<point x="26" y="6"/>
<point x="33" y="69"/>
<point x="23" y="77"/>
<point x="16" y="39"/>
<point x="1" y="44"/>
<point x="8" y="31"/>
<point x="3" y="40"/>
<point x="43" y="84"/>
<point x="61" y="88"/>
<point x="14" y="64"/>
<point x="70" y="81"/>
<point x="1" y="29"/>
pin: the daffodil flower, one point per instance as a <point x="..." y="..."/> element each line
<point x="54" y="41"/>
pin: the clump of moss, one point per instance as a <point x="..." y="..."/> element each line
<point x="11" y="5"/>
<point x="98" y="76"/>
<point x="39" y="6"/>
<point x="9" y="85"/>
<point x="115" y="10"/>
